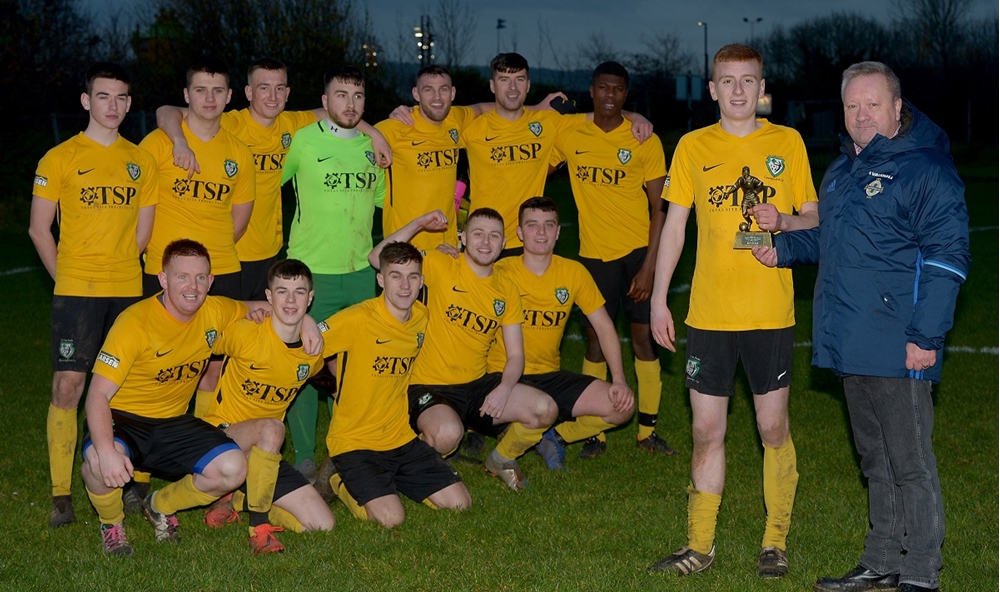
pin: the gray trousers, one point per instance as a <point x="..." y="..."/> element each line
<point x="892" y="420"/>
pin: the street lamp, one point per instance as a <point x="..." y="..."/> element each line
<point x="752" y="22"/>
<point x="705" y="25"/>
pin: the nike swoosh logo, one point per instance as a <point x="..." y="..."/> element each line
<point x="582" y="151"/>
<point x="782" y="374"/>
<point x="160" y="355"/>
<point x="79" y="172"/>
<point x="417" y="143"/>
<point x="322" y="159"/>
<point x="489" y="139"/>
<point x="380" y="342"/>
<point x="455" y="289"/>
<point x="252" y="367"/>
<point x="705" y="169"/>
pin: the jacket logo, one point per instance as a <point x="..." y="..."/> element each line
<point x="562" y="295"/>
<point x="454" y="135"/>
<point x="231" y="168"/>
<point x="303" y="372"/>
<point x="775" y="164"/>
<point x="535" y="128"/>
<point x="370" y="155"/>
<point x="831" y="186"/>
<point x="499" y="306"/>
<point x="874" y="188"/>
<point x="286" y="140"/>
<point x="134" y="172"/>
<point x="624" y="155"/>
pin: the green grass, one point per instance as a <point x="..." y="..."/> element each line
<point x="595" y="528"/>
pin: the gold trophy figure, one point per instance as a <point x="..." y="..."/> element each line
<point x="752" y="188"/>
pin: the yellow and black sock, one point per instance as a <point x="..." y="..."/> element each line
<point x="780" y="481"/>
<point x="180" y="495"/>
<point x="109" y="506"/>
<point x="357" y="510"/>
<point x="647" y="374"/>
<point x="517" y="440"/>
<point x="285" y="519"/>
<point x="60" y="431"/>
<point x="598" y="370"/>
<point x="703" y="513"/>
<point x="262" y="475"/>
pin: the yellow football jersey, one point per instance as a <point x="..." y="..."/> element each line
<point x="200" y="208"/>
<point x="375" y="354"/>
<point x="261" y="373"/>
<point x="509" y="160"/>
<point x="157" y="360"/>
<point x="548" y="300"/>
<point x="731" y="290"/>
<point x="466" y="314"/>
<point x="99" y="190"/>
<point x="608" y="172"/>
<point x="423" y="173"/>
<point x="269" y="145"/>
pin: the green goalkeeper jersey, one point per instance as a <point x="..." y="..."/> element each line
<point x="337" y="186"/>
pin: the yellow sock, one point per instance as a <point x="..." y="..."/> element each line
<point x="140" y="477"/>
<point x="285" y="519"/>
<point x="703" y="513"/>
<point x="780" y="481"/>
<point x="518" y="439"/>
<point x="427" y="502"/>
<point x="262" y="475"/>
<point x="60" y="431"/>
<point x="357" y="510"/>
<point x="582" y="427"/>
<point x="202" y="402"/>
<point x="647" y="374"/>
<point x="598" y="370"/>
<point x="239" y="501"/>
<point x="109" y="506"/>
<point x="180" y="495"/>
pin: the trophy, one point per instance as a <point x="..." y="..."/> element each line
<point x="752" y="187"/>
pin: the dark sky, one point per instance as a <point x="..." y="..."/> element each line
<point x="622" y="23"/>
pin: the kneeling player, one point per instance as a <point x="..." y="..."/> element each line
<point x="265" y="367"/>
<point x="374" y="451"/>
<point x="550" y="285"/>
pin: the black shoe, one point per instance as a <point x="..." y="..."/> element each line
<point x="592" y="448"/>
<point x="915" y="588"/>
<point x="62" y="511"/>
<point x="858" y="579"/>
<point x="132" y="495"/>
<point x="474" y="444"/>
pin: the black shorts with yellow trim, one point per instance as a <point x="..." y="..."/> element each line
<point x="414" y="469"/>
<point x="563" y="386"/>
<point x="465" y="399"/>
<point x="79" y="326"/>
<point x="712" y="355"/>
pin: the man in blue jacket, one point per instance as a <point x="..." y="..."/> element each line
<point x="893" y="248"/>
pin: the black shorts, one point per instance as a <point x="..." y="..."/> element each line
<point x="465" y="399"/>
<point x="226" y="284"/>
<point x="711" y="362"/>
<point x="253" y="279"/>
<point x="168" y="448"/>
<point x="563" y="386"/>
<point x="414" y="469"/>
<point x="79" y="326"/>
<point x="613" y="279"/>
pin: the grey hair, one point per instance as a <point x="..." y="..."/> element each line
<point x="869" y="68"/>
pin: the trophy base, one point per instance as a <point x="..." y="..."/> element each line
<point x="748" y="240"/>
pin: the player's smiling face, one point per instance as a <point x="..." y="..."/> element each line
<point x="290" y="299"/>
<point x="268" y="92"/>
<point x="344" y="103"/>
<point x="185" y="282"/>
<point x="609" y="92"/>
<point x="737" y="86"/>
<point x="483" y="239"/>
<point x="510" y="89"/>
<point x="435" y="94"/>
<point x="108" y="102"/>
<point x="401" y="283"/>
<point x="208" y="95"/>
<point x="538" y="231"/>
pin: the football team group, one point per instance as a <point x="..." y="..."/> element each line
<point x="168" y="288"/>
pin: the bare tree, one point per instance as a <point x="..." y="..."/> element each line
<point x="454" y="31"/>
<point x="663" y="56"/>
<point x="594" y="50"/>
<point x="939" y="27"/>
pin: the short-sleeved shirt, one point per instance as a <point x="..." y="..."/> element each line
<point x="269" y="146"/>
<point x="99" y="191"/>
<point x="423" y="173"/>
<point x="200" y="208"/>
<point x="608" y="172"/>
<point x="731" y="290"/>
<point x="337" y="188"/>
<point x="157" y="360"/>
<point x="466" y="315"/>
<point x="509" y="160"/>
<point x="547" y="301"/>
<point x="261" y="374"/>
<point x="375" y="352"/>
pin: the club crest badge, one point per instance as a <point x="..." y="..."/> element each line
<point x="535" y="128"/>
<point x="775" y="164"/>
<point x="424" y="399"/>
<point x="370" y="155"/>
<point x="134" y="172"/>
<point x="66" y="349"/>
<point x="693" y="367"/>
<point x="624" y="155"/>
<point x="303" y="372"/>
<point x="286" y="140"/>
<point x="231" y="168"/>
<point x="874" y="188"/>
<point x="420" y="339"/>
<point x="453" y="133"/>
<point x="210" y="336"/>
<point x="562" y="295"/>
<point x="499" y="306"/>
